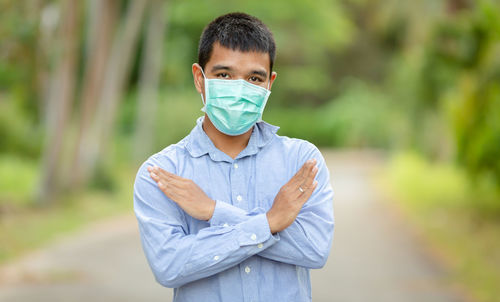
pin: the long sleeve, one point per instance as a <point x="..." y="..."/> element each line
<point x="307" y="241"/>
<point x="177" y="257"/>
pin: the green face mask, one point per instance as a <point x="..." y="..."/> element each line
<point x="234" y="106"/>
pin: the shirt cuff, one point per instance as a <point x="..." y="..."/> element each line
<point x="226" y="214"/>
<point x="255" y="230"/>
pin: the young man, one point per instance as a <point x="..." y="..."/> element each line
<point x="233" y="212"/>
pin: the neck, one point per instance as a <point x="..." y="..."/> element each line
<point x="231" y="145"/>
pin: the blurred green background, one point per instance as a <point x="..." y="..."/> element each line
<point x="90" y="89"/>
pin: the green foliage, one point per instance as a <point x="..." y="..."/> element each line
<point x="425" y="184"/>
<point x="24" y="229"/>
<point x="357" y="73"/>
<point x="18" y="58"/>
<point x="458" y="217"/>
<point x="474" y="102"/>
<point x="360" y="117"/>
<point x="17" y="132"/>
<point x="447" y="81"/>
<point x="103" y="178"/>
<point x="18" y="179"/>
<point x="435" y="184"/>
<point x="307" y="34"/>
<point x="344" y="121"/>
<point x="475" y="112"/>
<point x="176" y="115"/>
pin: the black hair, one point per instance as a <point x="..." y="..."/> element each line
<point x="237" y="31"/>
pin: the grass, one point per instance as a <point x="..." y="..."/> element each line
<point x="458" y="218"/>
<point x="18" y="178"/>
<point x="24" y="226"/>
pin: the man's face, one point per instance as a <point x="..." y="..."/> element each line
<point x="228" y="64"/>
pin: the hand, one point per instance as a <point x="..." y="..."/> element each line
<point x="290" y="199"/>
<point x="188" y="195"/>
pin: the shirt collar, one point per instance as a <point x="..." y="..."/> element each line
<point x="198" y="142"/>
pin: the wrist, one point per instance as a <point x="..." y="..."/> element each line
<point x="210" y="209"/>
<point x="271" y="220"/>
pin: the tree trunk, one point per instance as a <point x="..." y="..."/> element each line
<point x="115" y="77"/>
<point x="149" y="79"/>
<point x="101" y="28"/>
<point x="47" y="30"/>
<point x="63" y="82"/>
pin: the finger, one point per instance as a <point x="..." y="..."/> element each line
<point x="310" y="178"/>
<point x="170" y="177"/>
<point x="164" y="176"/>
<point x="308" y="192"/>
<point x="160" y="171"/>
<point x="302" y="169"/>
<point x="162" y="186"/>
<point x="167" y="188"/>
<point x="154" y="176"/>
<point x="158" y="177"/>
<point x="175" y="194"/>
<point x="300" y="176"/>
<point x="166" y="183"/>
<point x="299" y="186"/>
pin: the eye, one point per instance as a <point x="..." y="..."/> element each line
<point x="223" y="75"/>
<point x="255" y="79"/>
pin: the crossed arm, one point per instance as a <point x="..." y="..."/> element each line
<point x="298" y="228"/>
<point x="287" y="204"/>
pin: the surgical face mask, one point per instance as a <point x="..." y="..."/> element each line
<point x="234" y="106"/>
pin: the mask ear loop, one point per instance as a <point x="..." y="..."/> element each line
<point x="201" y="69"/>
<point x="268" y="92"/>
<point x="204" y="83"/>
<point x="269" y="83"/>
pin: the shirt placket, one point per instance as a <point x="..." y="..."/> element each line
<point x="239" y="193"/>
<point x="249" y="277"/>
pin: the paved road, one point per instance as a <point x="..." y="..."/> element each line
<point x="374" y="257"/>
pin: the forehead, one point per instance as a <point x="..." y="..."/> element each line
<point x="239" y="60"/>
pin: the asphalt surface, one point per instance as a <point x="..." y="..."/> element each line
<point x="375" y="257"/>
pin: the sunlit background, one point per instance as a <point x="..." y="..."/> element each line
<point x="89" y="89"/>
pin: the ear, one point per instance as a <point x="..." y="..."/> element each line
<point x="199" y="81"/>
<point x="271" y="80"/>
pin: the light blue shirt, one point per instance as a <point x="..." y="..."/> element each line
<point x="233" y="256"/>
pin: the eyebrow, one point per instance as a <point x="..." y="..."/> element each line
<point x="223" y="67"/>
<point x="260" y="72"/>
<point x="220" y="67"/>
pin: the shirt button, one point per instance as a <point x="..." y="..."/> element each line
<point x="236" y="166"/>
<point x="260" y="245"/>
<point x="247" y="270"/>
<point x="216" y="258"/>
<point x="239" y="198"/>
<point x="253" y="237"/>
<point x="225" y="225"/>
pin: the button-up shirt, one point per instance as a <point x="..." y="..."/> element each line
<point x="233" y="256"/>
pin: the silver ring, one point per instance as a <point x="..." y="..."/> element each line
<point x="301" y="190"/>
